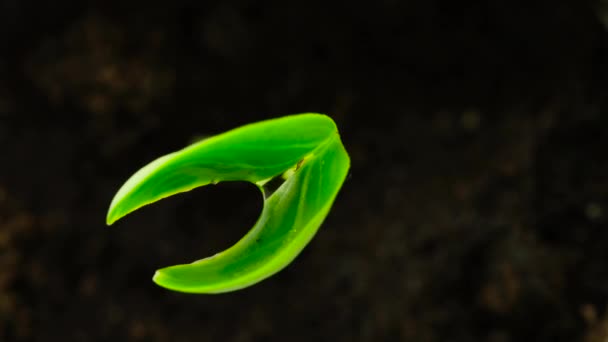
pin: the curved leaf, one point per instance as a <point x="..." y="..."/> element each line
<point x="305" y="149"/>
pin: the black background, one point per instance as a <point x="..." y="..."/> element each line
<point x="475" y="209"/>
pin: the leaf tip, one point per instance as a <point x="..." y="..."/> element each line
<point x="115" y="213"/>
<point x="162" y="279"/>
<point x="158" y="277"/>
<point x="112" y="217"/>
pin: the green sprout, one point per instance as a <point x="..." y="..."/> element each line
<point x="305" y="150"/>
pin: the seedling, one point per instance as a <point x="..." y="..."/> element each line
<point x="305" y="150"/>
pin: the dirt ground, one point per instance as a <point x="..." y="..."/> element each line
<point x="476" y="208"/>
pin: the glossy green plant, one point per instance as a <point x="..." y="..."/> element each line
<point x="305" y="150"/>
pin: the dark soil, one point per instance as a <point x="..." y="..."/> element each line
<point x="476" y="208"/>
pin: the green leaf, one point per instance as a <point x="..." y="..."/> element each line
<point x="305" y="149"/>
